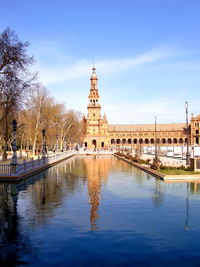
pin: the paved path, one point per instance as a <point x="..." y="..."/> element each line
<point x="174" y="162"/>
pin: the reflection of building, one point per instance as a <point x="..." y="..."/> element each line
<point x="99" y="134"/>
<point x="195" y="187"/>
<point x="96" y="169"/>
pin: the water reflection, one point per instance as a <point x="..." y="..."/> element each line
<point x="158" y="194"/>
<point x="187" y="228"/>
<point x="77" y="195"/>
<point x="97" y="169"/>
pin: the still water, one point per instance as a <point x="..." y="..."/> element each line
<point x="99" y="211"/>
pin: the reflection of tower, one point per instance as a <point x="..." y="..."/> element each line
<point x="94" y="186"/>
<point x="97" y="168"/>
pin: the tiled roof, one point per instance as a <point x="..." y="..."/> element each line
<point x="145" y="127"/>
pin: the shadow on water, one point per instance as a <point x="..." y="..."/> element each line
<point x="32" y="203"/>
<point x="11" y="240"/>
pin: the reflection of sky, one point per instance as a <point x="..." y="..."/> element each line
<point x="126" y="186"/>
<point x="136" y="213"/>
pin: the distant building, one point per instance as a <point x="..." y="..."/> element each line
<point x="101" y="135"/>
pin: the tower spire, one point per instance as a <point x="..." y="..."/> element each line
<point x="94" y="79"/>
<point x="94" y="95"/>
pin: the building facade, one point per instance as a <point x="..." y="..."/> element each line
<point x="99" y="134"/>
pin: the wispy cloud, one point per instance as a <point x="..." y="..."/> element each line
<point x="144" y="112"/>
<point x="80" y="68"/>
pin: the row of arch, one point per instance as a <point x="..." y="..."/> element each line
<point x="149" y="141"/>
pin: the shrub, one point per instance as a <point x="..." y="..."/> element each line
<point x="154" y="167"/>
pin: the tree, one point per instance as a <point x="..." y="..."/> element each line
<point x="68" y="125"/>
<point x="37" y="115"/>
<point x="15" y="79"/>
<point x="43" y="112"/>
<point x="13" y="54"/>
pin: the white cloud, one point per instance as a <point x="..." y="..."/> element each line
<point x="81" y="68"/>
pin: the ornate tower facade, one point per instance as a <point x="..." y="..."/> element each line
<point x="95" y="127"/>
<point x="98" y="134"/>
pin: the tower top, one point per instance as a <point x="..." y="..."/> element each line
<point x="94" y="75"/>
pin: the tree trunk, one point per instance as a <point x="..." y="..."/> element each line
<point x="36" y="129"/>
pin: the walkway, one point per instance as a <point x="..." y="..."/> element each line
<point x="173" y="162"/>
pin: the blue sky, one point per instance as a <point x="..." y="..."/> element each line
<point x="147" y="53"/>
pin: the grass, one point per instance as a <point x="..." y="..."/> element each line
<point x="174" y="171"/>
<point x="166" y="170"/>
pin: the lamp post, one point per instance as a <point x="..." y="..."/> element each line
<point x="14" y="161"/>
<point x="187" y="128"/>
<point x="140" y="141"/>
<point x="43" y="143"/>
<point x="156" y="152"/>
<point x="156" y="148"/>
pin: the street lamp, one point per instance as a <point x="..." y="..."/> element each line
<point x="140" y="141"/>
<point x="156" y="148"/>
<point x="43" y="143"/>
<point x="187" y="128"/>
<point x="14" y="157"/>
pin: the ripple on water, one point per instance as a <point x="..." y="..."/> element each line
<point x="99" y="211"/>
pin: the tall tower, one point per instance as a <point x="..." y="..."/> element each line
<point x="95" y="126"/>
<point x="94" y="107"/>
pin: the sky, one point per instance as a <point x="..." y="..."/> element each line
<point x="146" y="52"/>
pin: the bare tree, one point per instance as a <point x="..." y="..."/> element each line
<point x="13" y="53"/>
<point x="14" y="79"/>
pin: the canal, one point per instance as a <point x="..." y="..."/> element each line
<point x="99" y="211"/>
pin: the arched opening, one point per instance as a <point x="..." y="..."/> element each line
<point x="197" y="131"/>
<point x="175" y="141"/>
<point x="197" y="140"/>
<point x="118" y="141"/>
<point x="152" y="141"/>
<point x="163" y="141"/>
<point x="140" y="140"/>
<point x="112" y="141"/>
<point x="94" y="142"/>
<point x="185" y="140"/>
<point x="180" y="140"/>
<point x="135" y="141"/>
<point x="169" y="140"/>
<point x="129" y="141"/>
<point x="146" y="141"/>
<point x="157" y="141"/>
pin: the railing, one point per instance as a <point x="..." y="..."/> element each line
<point x="31" y="165"/>
<point x="5" y="169"/>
